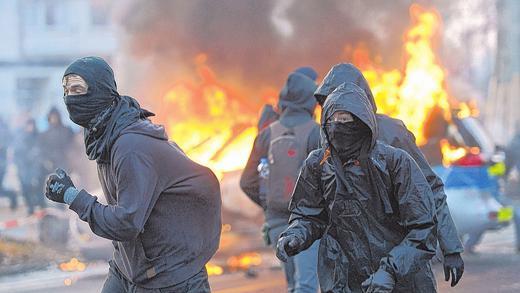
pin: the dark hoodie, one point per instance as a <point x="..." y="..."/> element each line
<point x="393" y="132"/>
<point x="358" y="233"/>
<point x="297" y="105"/>
<point x="163" y="211"/>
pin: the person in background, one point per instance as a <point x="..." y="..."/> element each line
<point x="280" y="149"/>
<point x="5" y="139"/>
<point x="27" y="158"/>
<point x="367" y="202"/>
<point x="268" y="114"/>
<point x="163" y="211"/>
<point x="513" y="182"/>
<point x="394" y="133"/>
<point x="55" y="142"/>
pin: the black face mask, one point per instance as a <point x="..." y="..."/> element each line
<point x="348" y="138"/>
<point x="84" y="108"/>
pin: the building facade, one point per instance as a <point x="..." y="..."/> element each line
<point x="38" y="39"/>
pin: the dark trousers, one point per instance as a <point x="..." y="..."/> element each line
<point x="117" y="283"/>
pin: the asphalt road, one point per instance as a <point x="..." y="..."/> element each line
<point x="493" y="269"/>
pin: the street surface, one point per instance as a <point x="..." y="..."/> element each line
<point x="493" y="269"/>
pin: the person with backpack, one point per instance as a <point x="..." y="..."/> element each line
<point x="282" y="148"/>
<point x="367" y="202"/>
<point x="394" y="133"/>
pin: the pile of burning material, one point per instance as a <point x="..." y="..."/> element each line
<point x="243" y="262"/>
<point x="73" y="265"/>
<point x="215" y="125"/>
<point x="417" y="95"/>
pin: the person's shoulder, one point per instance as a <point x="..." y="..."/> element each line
<point x="385" y="121"/>
<point x="128" y="143"/>
<point x="390" y="153"/>
<point x="315" y="158"/>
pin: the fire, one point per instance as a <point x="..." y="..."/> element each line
<point x="74" y="265"/>
<point x="244" y="261"/>
<point x="411" y="95"/>
<point x="212" y="124"/>
<point x="214" y="270"/>
<point x="451" y="153"/>
<point x="215" y="125"/>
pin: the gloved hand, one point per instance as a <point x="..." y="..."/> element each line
<point x="288" y="246"/>
<point x="379" y="282"/>
<point x="57" y="184"/>
<point x="454" y="266"/>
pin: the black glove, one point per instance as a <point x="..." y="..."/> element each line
<point x="288" y="246"/>
<point x="454" y="266"/>
<point x="57" y="184"/>
<point x="380" y="282"/>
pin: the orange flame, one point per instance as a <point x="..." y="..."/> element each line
<point x="210" y="123"/>
<point x="214" y="270"/>
<point x="74" y="265"/>
<point x="215" y="126"/>
<point x="244" y="261"/>
<point x="411" y="95"/>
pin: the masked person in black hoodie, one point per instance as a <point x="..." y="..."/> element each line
<point x="393" y="132"/>
<point x="163" y="211"/>
<point x="369" y="204"/>
<point x="284" y="145"/>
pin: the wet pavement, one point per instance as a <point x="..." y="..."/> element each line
<point x="493" y="269"/>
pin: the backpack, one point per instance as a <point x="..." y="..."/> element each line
<point x="286" y="155"/>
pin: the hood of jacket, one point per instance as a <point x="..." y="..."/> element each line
<point x="351" y="98"/>
<point x="344" y="73"/>
<point x="297" y="95"/>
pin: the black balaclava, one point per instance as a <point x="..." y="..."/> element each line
<point x="102" y="112"/>
<point x="101" y="93"/>
<point x="349" y="138"/>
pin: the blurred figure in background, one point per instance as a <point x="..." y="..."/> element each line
<point x="55" y="142"/>
<point x="5" y="138"/>
<point x="513" y="181"/>
<point x="27" y="158"/>
<point x="280" y="149"/>
<point x="269" y="114"/>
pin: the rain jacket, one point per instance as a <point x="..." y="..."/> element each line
<point x="360" y="231"/>
<point x="393" y="132"/>
<point x="297" y="105"/>
<point x="163" y="211"/>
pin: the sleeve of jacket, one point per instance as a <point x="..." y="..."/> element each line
<point x="416" y="216"/>
<point x="309" y="216"/>
<point x="249" y="181"/>
<point x="447" y="233"/>
<point x="136" y="190"/>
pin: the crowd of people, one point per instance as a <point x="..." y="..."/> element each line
<point x="34" y="154"/>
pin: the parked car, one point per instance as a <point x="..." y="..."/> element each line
<point x="472" y="183"/>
